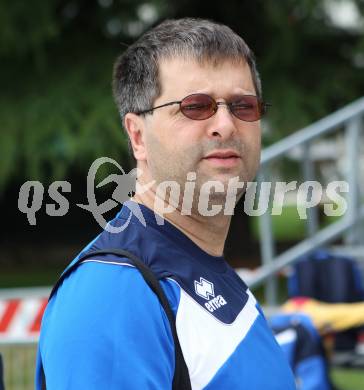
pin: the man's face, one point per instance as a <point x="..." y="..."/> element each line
<point x="176" y="145"/>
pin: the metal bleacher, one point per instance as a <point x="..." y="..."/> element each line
<point x="347" y="124"/>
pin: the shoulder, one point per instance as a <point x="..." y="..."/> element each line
<point x="106" y="289"/>
<point x="105" y="322"/>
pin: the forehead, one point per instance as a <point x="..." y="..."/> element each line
<point x="179" y="77"/>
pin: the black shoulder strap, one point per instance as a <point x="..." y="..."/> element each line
<point x="181" y="379"/>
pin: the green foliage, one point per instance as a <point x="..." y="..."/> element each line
<point x="26" y="27"/>
<point x="64" y="119"/>
<point x="57" y="113"/>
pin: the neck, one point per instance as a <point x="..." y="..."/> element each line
<point x="207" y="232"/>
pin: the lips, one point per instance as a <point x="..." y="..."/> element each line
<point x="223" y="154"/>
<point x="223" y="158"/>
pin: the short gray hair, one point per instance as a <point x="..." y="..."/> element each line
<point x="136" y="83"/>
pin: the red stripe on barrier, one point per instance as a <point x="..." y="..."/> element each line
<point x="35" y="326"/>
<point x="11" y="308"/>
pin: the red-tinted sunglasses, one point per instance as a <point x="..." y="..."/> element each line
<point x="200" y="106"/>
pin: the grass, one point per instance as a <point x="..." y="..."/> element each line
<point x="19" y="366"/>
<point x="288" y="226"/>
<point x="348" y="379"/>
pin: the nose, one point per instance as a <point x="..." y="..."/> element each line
<point x="222" y="124"/>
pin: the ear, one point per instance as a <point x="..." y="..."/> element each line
<point x="135" y="128"/>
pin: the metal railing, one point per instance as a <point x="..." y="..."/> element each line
<point x="19" y="352"/>
<point x="351" y="119"/>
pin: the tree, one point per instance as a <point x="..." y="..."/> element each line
<point x="56" y="109"/>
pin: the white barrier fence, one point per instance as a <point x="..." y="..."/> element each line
<point x="21" y="312"/>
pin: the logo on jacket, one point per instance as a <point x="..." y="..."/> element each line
<point x="205" y="289"/>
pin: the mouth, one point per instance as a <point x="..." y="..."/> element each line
<point x="223" y="158"/>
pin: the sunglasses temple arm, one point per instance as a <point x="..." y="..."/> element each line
<point x="154" y="108"/>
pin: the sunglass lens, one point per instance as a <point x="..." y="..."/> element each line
<point x="246" y="108"/>
<point x="198" y="106"/>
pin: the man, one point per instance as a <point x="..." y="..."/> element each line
<point x="190" y="99"/>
